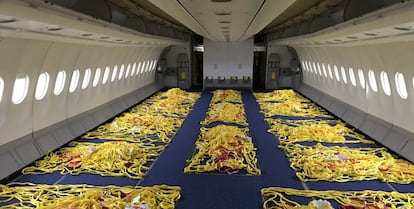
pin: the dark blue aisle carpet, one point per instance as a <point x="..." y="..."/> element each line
<point x="216" y="190"/>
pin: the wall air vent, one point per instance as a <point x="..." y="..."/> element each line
<point x="87" y="34"/>
<point x="225" y="27"/>
<point x="221" y="1"/>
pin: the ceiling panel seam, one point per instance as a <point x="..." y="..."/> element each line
<point x="254" y="17"/>
<point x="195" y="19"/>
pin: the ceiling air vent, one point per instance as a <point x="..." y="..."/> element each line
<point x="54" y="29"/>
<point x="221" y="1"/>
<point x="223" y="13"/>
<point x="224" y="21"/>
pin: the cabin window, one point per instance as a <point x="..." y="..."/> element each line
<point x="97" y="77"/>
<point x="134" y="66"/>
<point x="144" y="64"/>
<point x="344" y="74"/>
<point x="21" y="85"/>
<point x="139" y="68"/>
<point x="314" y="68"/>
<point x="86" y="78"/>
<point x="372" y="80"/>
<point x="330" y="71"/>
<point x="336" y="73"/>
<point x="128" y="70"/>
<point x="400" y="84"/>
<point x="74" y="81"/>
<point x="59" y="82"/>
<point x="1" y="88"/>
<point x="303" y="65"/>
<point x="121" y="71"/>
<point x="147" y="63"/>
<point x="385" y="83"/>
<point x="114" y="73"/>
<point x="308" y="66"/>
<point x="106" y="75"/>
<point x="42" y="85"/>
<point x="361" y="78"/>
<point x="155" y="65"/>
<point x="324" y="70"/>
<point x="319" y="68"/>
<point x="352" y="76"/>
<point x="152" y="65"/>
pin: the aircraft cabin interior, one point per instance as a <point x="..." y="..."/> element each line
<point x="229" y="104"/>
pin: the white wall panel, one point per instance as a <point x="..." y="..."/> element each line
<point x="52" y="108"/>
<point x="380" y="57"/>
<point x="398" y="58"/>
<point x="17" y="58"/>
<point x="228" y="59"/>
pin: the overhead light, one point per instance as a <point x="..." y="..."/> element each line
<point x="220" y="1"/>
<point x="54" y="29"/>
<point x="224" y="21"/>
<point x="8" y="20"/>
<point x="402" y="28"/>
<point x="222" y="13"/>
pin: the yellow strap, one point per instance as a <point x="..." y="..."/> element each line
<point x="275" y="198"/>
<point x="84" y="196"/>
<point x="341" y="164"/>
<point x="106" y="159"/>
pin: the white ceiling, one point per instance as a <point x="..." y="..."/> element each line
<point x="235" y="20"/>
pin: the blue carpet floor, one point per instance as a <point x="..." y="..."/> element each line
<point x="215" y="190"/>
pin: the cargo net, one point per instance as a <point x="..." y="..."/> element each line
<point x="226" y="112"/>
<point x="226" y="149"/>
<point x="288" y="103"/>
<point x="277" y="197"/>
<point x="329" y="131"/>
<point x="342" y="164"/>
<point x="156" y="119"/>
<point x="330" y="163"/>
<point x="25" y="195"/>
<point x="227" y="95"/>
<point x="106" y="159"/>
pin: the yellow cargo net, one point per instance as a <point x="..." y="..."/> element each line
<point x="148" y="121"/>
<point x="106" y="159"/>
<point x="225" y="112"/>
<point x="275" y="198"/>
<point x="135" y="127"/>
<point x="342" y="164"/>
<point x="279" y="96"/>
<point x="227" y="95"/>
<point x="292" y="108"/>
<point x="85" y="196"/>
<point x="287" y="103"/>
<point x="227" y="149"/>
<point x="330" y="131"/>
